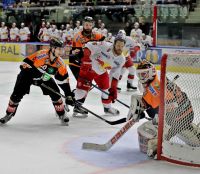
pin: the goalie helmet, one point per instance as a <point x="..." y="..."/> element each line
<point x="145" y="71"/>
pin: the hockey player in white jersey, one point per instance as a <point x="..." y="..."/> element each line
<point x="146" y="40"/>
<point x="3" y="32"/>
<point x="24" y="33"/>
<point x="98" y="58"/>
<point x="130" y="49"/>
<point x="14" y="33"/>
<point x="78" y="27"/>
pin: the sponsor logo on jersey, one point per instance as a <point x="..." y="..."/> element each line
<point x="40" y="56"/>
<point x="152" y="90"/>
<point x="105" y="55"/>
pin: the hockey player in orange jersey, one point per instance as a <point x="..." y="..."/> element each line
<point x="179" y="113"/>
<point x="37" y="69"/>
<point x="79" y="41"/>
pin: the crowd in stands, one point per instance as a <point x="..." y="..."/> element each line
<point x="65" y="32"/>
<point x="31" y="3"/>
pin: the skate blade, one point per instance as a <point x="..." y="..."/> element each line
<point x="77" y="115"/>
<point x="131" y="90"/>
<point x="111" y="115"/>
<point x="64" y="123"/>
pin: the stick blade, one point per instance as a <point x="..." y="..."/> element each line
<point x="94" y="146"/>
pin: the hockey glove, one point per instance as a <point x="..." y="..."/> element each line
<point x="113" y="90"/>
<point x="40" y="80"/>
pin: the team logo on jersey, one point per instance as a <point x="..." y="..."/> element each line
<point x="103" y="65"/>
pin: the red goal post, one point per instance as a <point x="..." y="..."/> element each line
<point x="179" y="115"/>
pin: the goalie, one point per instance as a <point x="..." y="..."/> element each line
<point x="179" y="111"/>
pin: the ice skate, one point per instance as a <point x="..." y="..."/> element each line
<point x="6" y="118"/>
<point x="130" y="87"/>
<point x="64" y="119"/>
<point x="111" y="111"/>
<point x="79" y="112"/>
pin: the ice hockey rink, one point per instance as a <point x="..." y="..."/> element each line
<point x="34" y="142"/>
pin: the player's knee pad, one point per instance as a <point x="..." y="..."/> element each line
<point x="59" y="107"/>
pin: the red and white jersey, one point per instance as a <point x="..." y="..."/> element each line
<point x="14" y="34"/>
<point x="68" y="35"/>
<point x="44" y="34"/>
<point x="3" y="33"/>
<point x="104" y="31"/>
<point x="95" y="30"/>
<point x="147" y="41"/>
<point x="110" y="39"/>
<point x="103" y="59"/>
<point x="76" y="30"/>
<point x="24" y="34"/>
<point x="138" y="33"/>
<point x="130" y="44"/>
<point x="54" y="33"/>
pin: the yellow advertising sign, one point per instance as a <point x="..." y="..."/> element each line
<point x="11" y="52"/>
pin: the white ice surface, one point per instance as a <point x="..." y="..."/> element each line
<point x="34" y="142"/>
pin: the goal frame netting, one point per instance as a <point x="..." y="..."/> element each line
<point x="172" y="152"/>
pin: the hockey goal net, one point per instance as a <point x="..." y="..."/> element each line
<point x="179" y="114"/>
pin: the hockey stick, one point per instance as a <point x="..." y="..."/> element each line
<point x="95" y="86"/>
<point x="122" y="120"/>
<point x="112" y="141"/>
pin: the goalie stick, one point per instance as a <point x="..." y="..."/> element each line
<point x="122" y="120"/>
<point x="112" y="141"/>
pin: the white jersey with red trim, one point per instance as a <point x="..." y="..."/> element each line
<point x="68" y="35"/>
<point x="104" y="31"/>
<point x="147" y="41"/>
<point x="4" y="33"/>
<point x="130" y="44"/>
<point x="14" y="33"/>
<point x="54" y="33"/>
<point x="103" y="59"/>
<point x="24" y="34"/>
<point x="44" y="34"/>
<point x="76" y="30"/>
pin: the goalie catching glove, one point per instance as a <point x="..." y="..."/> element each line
<point x="136" y="108"/>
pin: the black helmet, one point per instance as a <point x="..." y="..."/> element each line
<point x="55" y="42"/>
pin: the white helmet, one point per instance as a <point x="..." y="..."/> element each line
<point x="146" y="71"/>
<point x="122" y="32"/>
<point x="120" y="37"/>
<point x="136" y="25"/>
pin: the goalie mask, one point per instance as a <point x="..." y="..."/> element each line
<point x="145" y="71"/>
